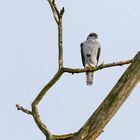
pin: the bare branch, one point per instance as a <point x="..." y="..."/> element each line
<point x="120" y="63"/>
<point x="21" y="108"/>
<point x="54" y="10"/>
<point x="94" y="126"/>
<point x="102" y="66"/>
<point x="55" y="7"/>
<point x="60" y="44"/>
<point x="39" y="123"/>
<point x="58" y="18"/>
<point x="47" y="87"/>
<point x="35" y="111"/>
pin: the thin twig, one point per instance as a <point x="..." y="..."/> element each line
<point x="21" y="108"/>
<point x="54" y="10"/>
<point x="120" y="63"/>
<point x="55" y="7"/>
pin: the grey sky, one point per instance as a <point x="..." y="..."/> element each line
<point x="28" y="60"/>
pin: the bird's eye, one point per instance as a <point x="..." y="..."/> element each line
<point x="90" y="35"/>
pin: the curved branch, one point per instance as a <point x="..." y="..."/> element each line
<point x="35" y="111"/>
<point x="39" y="123"/>
<point x="47" y="87"/>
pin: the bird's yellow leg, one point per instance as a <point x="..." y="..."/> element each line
<point x="91" y="67"/>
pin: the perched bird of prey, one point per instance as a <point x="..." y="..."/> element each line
<point x="90" y="52"/>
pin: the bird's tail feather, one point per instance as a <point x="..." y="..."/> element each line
<point x="89" y="78"/>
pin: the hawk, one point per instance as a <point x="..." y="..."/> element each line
<point x="90" y="52"/>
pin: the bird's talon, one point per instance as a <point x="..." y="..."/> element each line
<point x="91" y="68"/>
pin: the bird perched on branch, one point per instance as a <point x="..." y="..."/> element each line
<point x="90" y="52"/>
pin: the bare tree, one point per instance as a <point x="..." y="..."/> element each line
<point x="117" y="96"/>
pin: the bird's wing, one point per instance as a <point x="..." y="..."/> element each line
<point x="82" y="54"/>
<point x="98" y="54"/>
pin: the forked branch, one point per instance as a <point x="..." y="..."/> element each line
<point x="35" y="112"/>
<point x="54" y="10"/>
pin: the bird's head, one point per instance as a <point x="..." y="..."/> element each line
<point x="92" y="35"/>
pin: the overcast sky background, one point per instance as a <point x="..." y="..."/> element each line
<point x="28" y="60"/>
